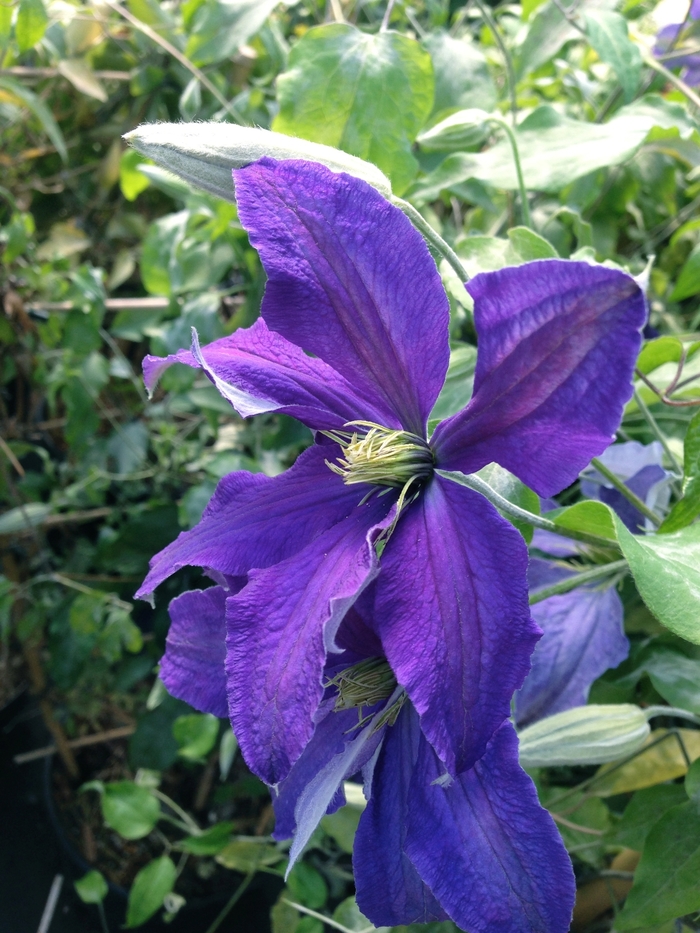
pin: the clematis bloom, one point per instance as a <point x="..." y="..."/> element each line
<point x="353" y="341"/>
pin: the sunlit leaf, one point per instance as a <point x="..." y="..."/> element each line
<point x="663" y="761"/>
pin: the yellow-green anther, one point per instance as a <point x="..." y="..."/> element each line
<point x="363" y="684"/>
<point x="381" y="456"/>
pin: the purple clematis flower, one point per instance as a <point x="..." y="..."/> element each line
<point x="583" y="632"/>
<point x="353" y="341"/>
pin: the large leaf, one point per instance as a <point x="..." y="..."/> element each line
<point x="689" y="279"/>
<point x="368" y="95"/>
<point x="149" y="890"/>
<point x="666" y="880"/>
<point x="607" y="33"/>
<point x="688" y="508"/>
<point x="666" y="569"/>
<point x="220" y="27"/>
<point x="130" y="809"/>
<point x="549" y="30"/>
<point x="40" y="111"/>
<point x="554" y="150"/>
<point x="31" y="24"/>
<point x="462" y="77"/>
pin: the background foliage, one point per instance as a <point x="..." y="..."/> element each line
<point x="106" y="257"/>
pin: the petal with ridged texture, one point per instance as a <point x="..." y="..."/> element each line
<point x="279" y="629"/>
<point x="389" y="889"/>
<point x="490" y="853"/>
<point x="351" y="281"/>
<point x="451" y="609"/>
<point x="254" y="520"/>
<point x="558" y="341"/>
<point x="257" y="371"/>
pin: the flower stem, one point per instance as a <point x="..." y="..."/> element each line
<point x="581" y="577"/>
<point x="434" y="238"/>
<point x="493" y="26"/>
<point x="657" y="432"/>
<point x="235" y="897"/>
<point x="677" y="82"/>
<point x="524" y="204"/>
<point x="537" y="521"/>
<point x="626" y="491"/>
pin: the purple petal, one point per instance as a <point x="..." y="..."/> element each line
<point x="255" y="521"/>
<point x="257" y="370"/>
<point x="489" y="852"/>
<point x="279" y="629"/>
<point x="389" y="890"/>
<point x="193" y="666"/>
<point x="583" y="637"/>
<point x="451" y="608"/>
<point x="351" y="281"/>
<point x="558" y="341"/>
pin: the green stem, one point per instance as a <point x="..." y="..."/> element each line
<point x="584" y="576"/>
<point x="677" y="82"/>
<point x="421" y="224"/>
<point x="185" y="817"/>
<point x="235" y="897"/>
<point x="493" y="26"/>
<point x="537" y="521"/>
<point x="524" y="204"/>
<point x="657" y="432"/>
<point x="652" y="711"/>
<point x="626" y="491"/>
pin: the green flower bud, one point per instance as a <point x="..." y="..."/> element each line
<point x="205" y="153"/>
<point x="585" y="735"/>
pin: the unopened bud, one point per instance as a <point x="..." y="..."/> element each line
<point x="585" y="735"/>
<point x="205" y="153"/>
<point x="461" y="130"/>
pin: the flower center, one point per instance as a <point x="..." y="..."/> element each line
<point x="364" y="685"/>
<point x="382" y="457"/>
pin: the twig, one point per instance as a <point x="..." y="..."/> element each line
<point x="111" y="304"/>
<point x="22" y="71"/>
<point x="7" y="450"/>
<point x="51" y="901"/>
<point x="579" y="829"/>
<point x="687" y="91"/>
<point x="322" y="917"/>
<point x="663" y="396"/>
<point x="67" y="518"/>
<point x="182" y="59"/>
<point x="121" y="732"/>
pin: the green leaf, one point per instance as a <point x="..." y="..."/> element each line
<point x="554" y="151"/>
<point x="195" y="735"/>
<point x="643" y="810"/>
<point x="549" y="30"/>
<point x="656" y="352"/>
<point x="131" y="181"/>
<point x="246" y="855"/>
<point x="589" y="516"/>
<point x="688" y="283"/>
<point x="529" y="245"/>
<point x="366" y="94"/>
<point x="82" y="77"/>
<point x="692" y="782"/>
<point x="607" y="33"/>
<point x="31" y="24"/>
<point x="307" y="886"/>
<point x="210" y="842"/>
<point x="348" y="914"/>
<point x="515" y="491"/>
<point x="658" y="761"/>
<point x="92" y="888"/>
<point x="666" y="569"/>
<point x="666" y="880"/>
<point x="459" y="381"/>
<point x="153" y="744"/>
<point x="220" y="27"/>
<point x="129" y="809"/>
<point x="150" y="888"/>
<point x="462" y="77"/>
<point x="342" y="826"/>
<point x="40" y="111"/>
<point x="676" y="677"/>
